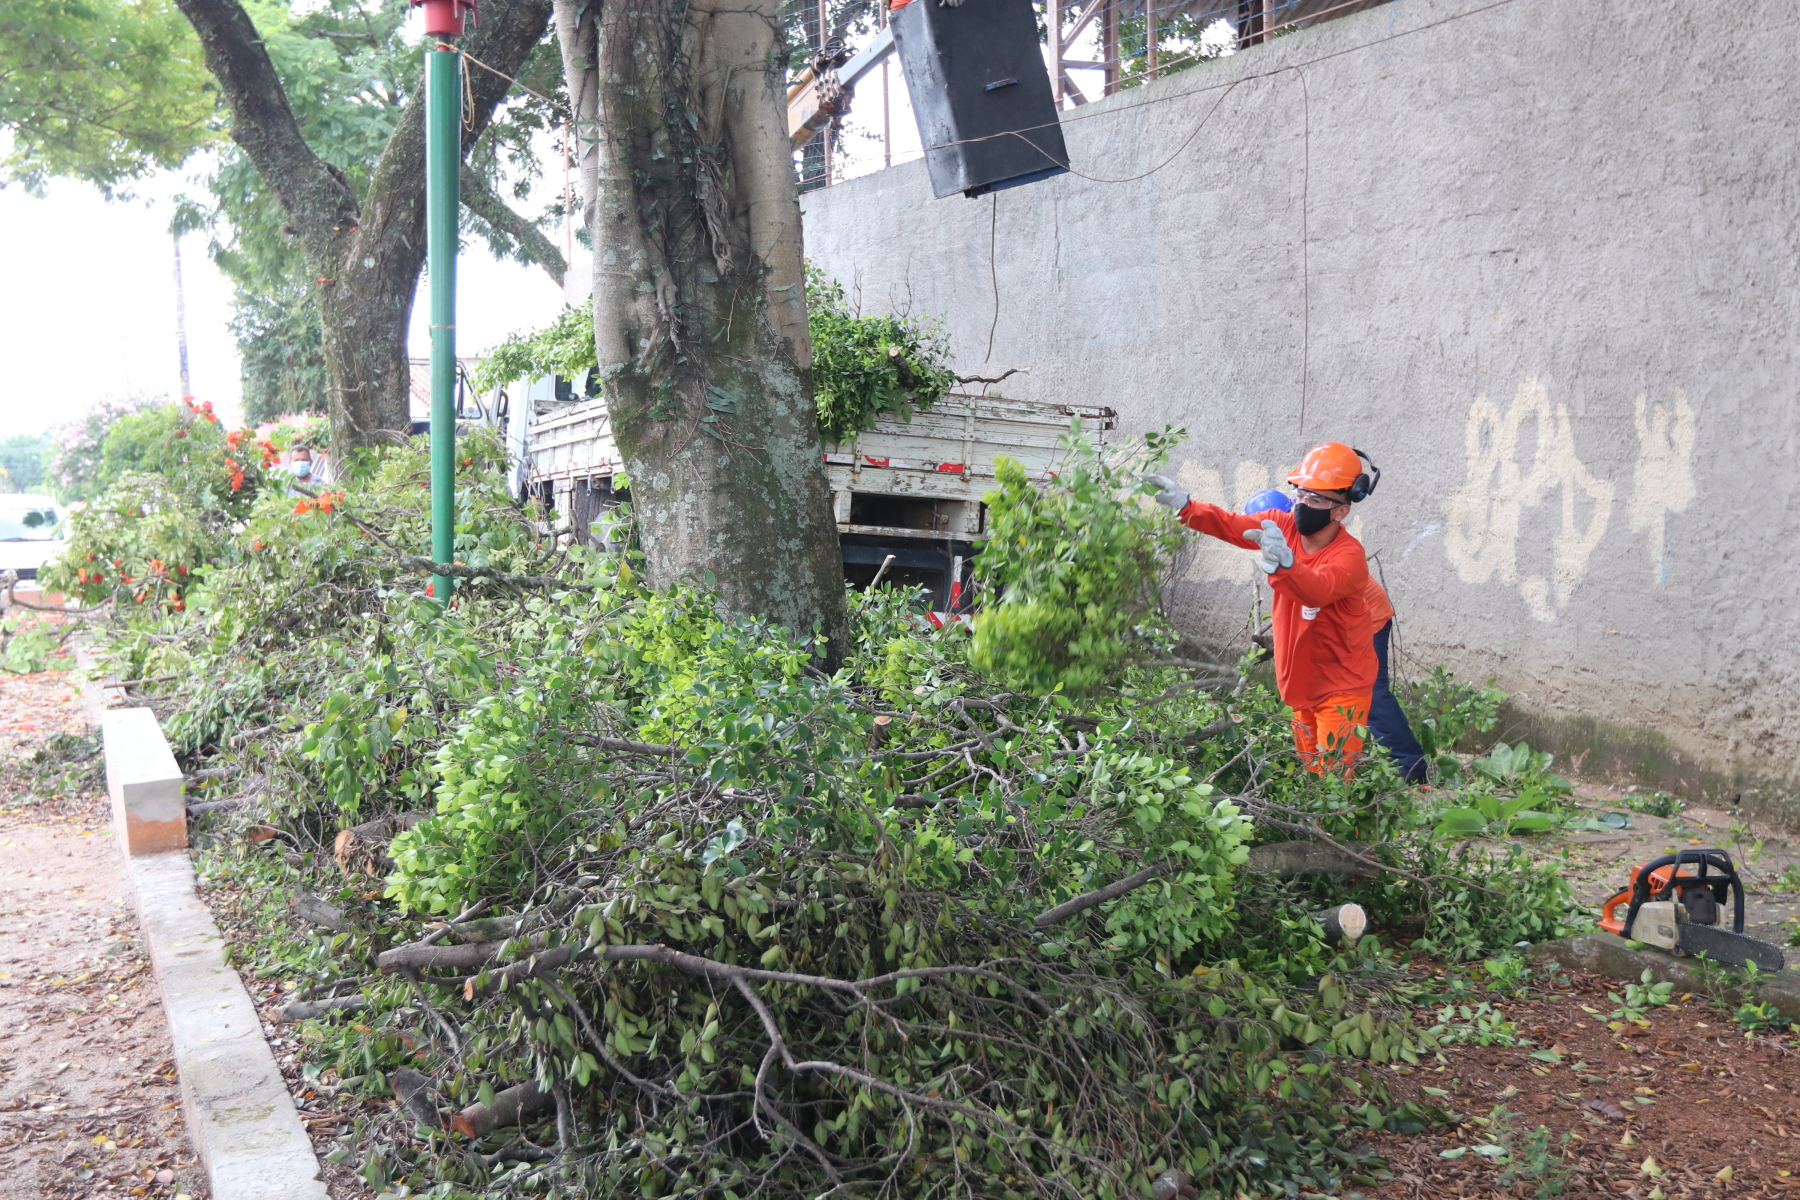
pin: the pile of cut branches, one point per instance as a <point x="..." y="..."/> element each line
<point x="624" y="893"/>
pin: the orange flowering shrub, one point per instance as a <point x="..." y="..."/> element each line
<point x="183" y="485"/>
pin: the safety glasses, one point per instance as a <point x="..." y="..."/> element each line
<point x="1315" y="499"/>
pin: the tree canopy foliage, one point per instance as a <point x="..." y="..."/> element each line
<point x="104" y="91"/>
<point x="78" y="467"/>
<point x="348" y="70"/>
<point x="869" y="365"/>
<point x="564" y="348"/>
<point x="25" y="457"/>
<point x="108" y="92"/>
<point x="864" y="366"/>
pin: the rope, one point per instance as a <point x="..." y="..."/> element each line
<point x="1178" y="150"/>
<point x="468" y="97"/>
<point x="503" y="75"/>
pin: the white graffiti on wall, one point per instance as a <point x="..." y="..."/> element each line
<point x="1663" y="480"/>
<point x="1482" y="533"/>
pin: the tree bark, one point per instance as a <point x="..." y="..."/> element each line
<point x="306" y="1010"/>
<point x="479" y="1120"/>
<point x="1345" y="923"/>
<point x="318" y="912"/>
<point x="688" y="194"/>
<point x="363" y="848"/>
<point x="413" y="1089"/>
<point x="365" y="255"/>
<point x="1289" y="859"/>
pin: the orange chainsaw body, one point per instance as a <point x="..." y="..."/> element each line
<point x="1662" y="878"/>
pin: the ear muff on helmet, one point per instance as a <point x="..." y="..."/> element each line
<point x="1363" y="486"/>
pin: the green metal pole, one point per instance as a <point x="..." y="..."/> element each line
<point x="443" y="159"/>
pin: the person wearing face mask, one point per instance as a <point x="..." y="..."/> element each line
<point x="1388" y="725"/>
<point x="1325" y="664"/>
<point x="301" y="464"/>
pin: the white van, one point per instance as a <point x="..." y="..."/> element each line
<point x="33" y="531"/>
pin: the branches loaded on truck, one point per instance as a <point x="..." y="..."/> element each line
<point x="911" y="490"/>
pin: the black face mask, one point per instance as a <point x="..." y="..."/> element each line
<point x="1309" y="520"/>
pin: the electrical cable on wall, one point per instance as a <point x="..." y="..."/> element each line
<point x="1305" y="178"/>
<point x="1305" y="243"/>
<point x="993" y="273"/>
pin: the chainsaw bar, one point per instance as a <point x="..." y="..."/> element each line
<point x="1732" y="949"/>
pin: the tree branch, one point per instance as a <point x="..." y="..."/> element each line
<point x="533" y="246"/>
<point x="316" y="198"/>
<point x="1087" y="900"/>
<point x="621" y="746"/>
<point x="986" y="379"/>
<point x="413" y="562"/>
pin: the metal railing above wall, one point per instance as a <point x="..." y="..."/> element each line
<point x="1136" y="40"/>
<point x="1140" y="40"/>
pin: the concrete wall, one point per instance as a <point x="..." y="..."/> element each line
<point x="1538" y="258"/>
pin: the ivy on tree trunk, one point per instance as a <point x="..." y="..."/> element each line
<point x="699" y="299"/>
<point x="365" y="254"/>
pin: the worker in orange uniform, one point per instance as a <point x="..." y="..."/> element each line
<point x="1388" y="726"/>
<point x="1325" y="664"/>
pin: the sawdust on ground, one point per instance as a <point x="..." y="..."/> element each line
<point x="88" y="1097"/>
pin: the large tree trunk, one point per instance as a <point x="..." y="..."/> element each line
<point x="365" y="256"/>
<point x="699" y="300"/>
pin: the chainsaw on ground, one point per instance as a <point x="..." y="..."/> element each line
<point x="1673" y="903"/>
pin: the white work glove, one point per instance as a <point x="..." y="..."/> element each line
<point x="1168" y="492"/>
<point x="1276" y="553"/>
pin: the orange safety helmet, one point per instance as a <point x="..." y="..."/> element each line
<point x="1335" y="467"/>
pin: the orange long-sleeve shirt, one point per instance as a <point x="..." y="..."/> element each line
<point x="1323" y="636"/>
<point x="1381" y="609"/>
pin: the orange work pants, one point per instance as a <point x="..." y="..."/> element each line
<point x="1330" y="736"/>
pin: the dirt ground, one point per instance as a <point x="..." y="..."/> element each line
<point x="88" y="1102"/>
<point x="1640" y="1113"/>
<point x="1685" y="1107"/>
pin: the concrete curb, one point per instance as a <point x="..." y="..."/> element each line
<point x="239" y="1114"/>
<point x="1608" y="954"/>
<point x="144" y="783"/>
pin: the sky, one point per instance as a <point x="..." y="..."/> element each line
<point x="89" y="307"/>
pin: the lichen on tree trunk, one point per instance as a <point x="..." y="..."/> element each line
<point x="699" y="300"/>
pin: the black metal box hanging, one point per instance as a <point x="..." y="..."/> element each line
<point x="975" y="72"/>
